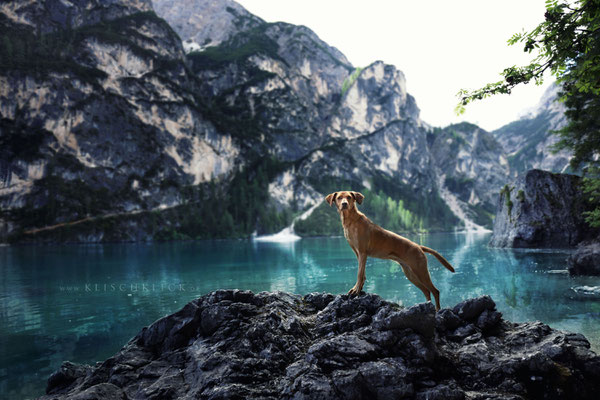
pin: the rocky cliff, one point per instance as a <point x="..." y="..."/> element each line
<point x="235" y="344"/>
<point x="97" y="116"/>
<point x="541" y="209"/>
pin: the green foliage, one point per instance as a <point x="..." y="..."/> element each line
<point x="591" y="187"/>
<point x="323" y="221"/>
<point x="349" y="81"/>
<point x="482" y="214"/>
<point x="236" y="49"/>
<point x="389" y="203"/>
<point x="507" y="201"/>
<point x="237" y="213"/>
<point x="566" y="43"/>
<point x="391" y="214"/>
<point x="581" y="135"/>
<point x="209" y="211"/>
<point x="521" y="196"/>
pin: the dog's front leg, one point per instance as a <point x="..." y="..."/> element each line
<point x="360" y="276"/>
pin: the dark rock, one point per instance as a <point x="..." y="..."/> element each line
<point x="442" y="392"/>
<point x="319" y="300"/>
<point x="462" y="332"/>
<point x="446" y="319"/>
<point x="103" y="391"/>
<point x="541" y="209"/>
<point x="234" y="344"/>
<point x="420" y="318"/>
<point x="488" y="319"/>
<point x="585" y="260"/>
<point x="65" y="376"/>
<point x="472" y="308"/>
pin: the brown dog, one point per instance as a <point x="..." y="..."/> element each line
<point x="370" y="240"/>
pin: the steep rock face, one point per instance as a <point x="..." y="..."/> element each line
<point x="235" y="344"/>
<point x="276" y="84"/>
<point x="108" y="114"/>
<point x="541" y="209"/>
<point x="202" y="23"/>
<point x="376" y="130"/>
<point x="528" y="141"/>
<point x="472" y="166"/>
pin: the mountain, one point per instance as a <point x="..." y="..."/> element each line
<point x="118" y="125"/>
<point x="528" y="141"/>
<point x="371" y="138"/>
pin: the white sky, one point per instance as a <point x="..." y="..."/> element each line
<point x="440" y="45"/>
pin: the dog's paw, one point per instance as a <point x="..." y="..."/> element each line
<point x="354" y="291"/>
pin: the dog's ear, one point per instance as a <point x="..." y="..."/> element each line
<point x="358" y="197"/>
<point x="331" y="198"/>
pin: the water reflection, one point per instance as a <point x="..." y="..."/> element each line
<point x="82" y="303"/>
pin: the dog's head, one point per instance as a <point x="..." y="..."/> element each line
<point x="344" y="200"/>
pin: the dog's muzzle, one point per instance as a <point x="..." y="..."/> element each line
<point x="344" y="206"/>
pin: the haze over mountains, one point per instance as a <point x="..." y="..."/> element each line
<point x="218" y="124"/>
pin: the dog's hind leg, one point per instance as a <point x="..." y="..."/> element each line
<point x="412" y="277"/>
<point x="422" y="274"/>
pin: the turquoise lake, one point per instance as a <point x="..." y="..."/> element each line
<point x="84" y="302"/>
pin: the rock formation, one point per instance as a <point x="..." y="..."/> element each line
<point x="541" y="209"/>
<point x="236" y="344"/>
<point x="586" y="259"/>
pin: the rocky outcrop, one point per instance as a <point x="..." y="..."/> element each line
<point x="541" y="209"/>
<point x="237" y="344"/>
<point x="585" y="260"/>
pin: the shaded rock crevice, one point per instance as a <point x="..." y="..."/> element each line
<point x="237" y="344"/>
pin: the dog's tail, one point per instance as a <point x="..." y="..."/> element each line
<point x="437" y="255"/>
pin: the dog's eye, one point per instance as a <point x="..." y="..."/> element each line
<point x="349" y="197"/>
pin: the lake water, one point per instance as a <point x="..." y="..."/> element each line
<point x="84" y="302"/>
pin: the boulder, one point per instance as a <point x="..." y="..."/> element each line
<point x="541" y="209"/>
<point x="585" y="260"/>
